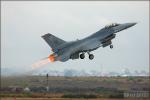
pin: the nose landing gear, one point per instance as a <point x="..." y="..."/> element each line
<point x="111" y="46"/>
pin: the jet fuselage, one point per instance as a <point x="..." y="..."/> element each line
<point x="103" y="37"/>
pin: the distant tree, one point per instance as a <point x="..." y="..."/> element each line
<point x="70" y="73"/>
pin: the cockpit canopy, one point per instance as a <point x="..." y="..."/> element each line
<point x="111" y="25"/>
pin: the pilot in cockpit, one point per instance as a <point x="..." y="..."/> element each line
<point x="111" y="25"/>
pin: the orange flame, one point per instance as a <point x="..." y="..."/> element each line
<point x="40" y="63"/>
<point x="52" y="58"/>
<point x="43" y="62"/>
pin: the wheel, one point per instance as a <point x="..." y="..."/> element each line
<point x="82" y="56"/>
<point x="91" y="56"/>
<point x="111" y="46"/>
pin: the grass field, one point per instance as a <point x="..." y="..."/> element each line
<point x="54" y="81"/>
<point x="70" y="99"/>
<point x="69" y="88"/>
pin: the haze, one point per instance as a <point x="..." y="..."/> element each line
<point x="24" y="22"/>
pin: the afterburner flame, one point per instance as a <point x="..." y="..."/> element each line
<point x="52" y="58"/>
<point x="43" y="62"/>
<point x="40" y="63"/>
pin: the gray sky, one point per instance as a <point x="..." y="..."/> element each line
<point x="24" y="22"/>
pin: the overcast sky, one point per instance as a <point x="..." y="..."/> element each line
<point x="24" y="22"/>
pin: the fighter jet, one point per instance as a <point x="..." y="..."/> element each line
<point x="63" y="50"/>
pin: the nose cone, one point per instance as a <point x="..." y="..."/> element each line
<point x="127" y="25"/>
<point x="123" y="27"/>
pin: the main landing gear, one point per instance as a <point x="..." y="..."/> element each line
<point x="91" y="56"/>
<point x="111" y="46"/>
<point x="82" y="56"/>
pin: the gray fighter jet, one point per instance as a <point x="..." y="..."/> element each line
<point x="64" y="50"/>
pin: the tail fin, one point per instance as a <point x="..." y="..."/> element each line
<point x="53" y="41"/>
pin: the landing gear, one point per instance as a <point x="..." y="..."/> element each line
<point x="82" y="56"/>
<point x="91" y="56"/>
<point x="111" y="46"/>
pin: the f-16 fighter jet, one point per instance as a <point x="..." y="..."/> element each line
<point x="63" y="50"/>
